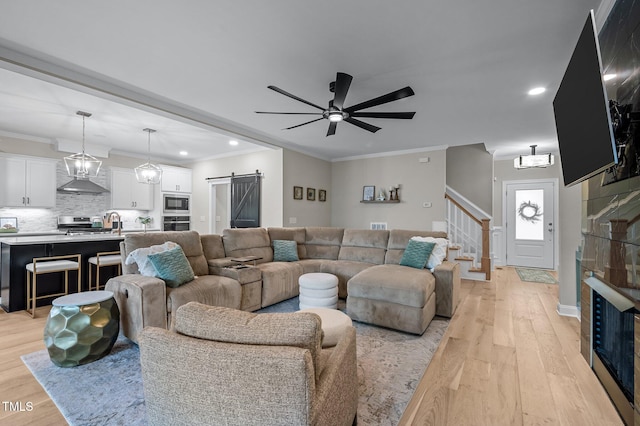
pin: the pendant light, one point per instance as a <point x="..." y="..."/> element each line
<point x="148" y="173"/>
<point x="82" y="165"/>
<point x="533" y="160"/>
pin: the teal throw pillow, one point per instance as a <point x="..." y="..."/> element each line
<point x="285" y="251"/>
<point x="172" y="266"/>
<point x="416" y="254"/>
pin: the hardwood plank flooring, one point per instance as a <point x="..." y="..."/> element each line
<point x="507" y="358"/>
<point x="519" y="363"/>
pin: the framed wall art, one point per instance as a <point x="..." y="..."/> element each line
<point x="297" y="193"/>
<point x="311" y="194"/>
<point x="322" y="195"/>
<point x="369" y="193"/>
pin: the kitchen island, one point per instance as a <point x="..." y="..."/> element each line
<point x="16" y="252"/>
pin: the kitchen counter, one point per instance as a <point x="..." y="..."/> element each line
<point x="29" y="234"/>
<point x="59" y="238"/>
<point x="16" y="252"/>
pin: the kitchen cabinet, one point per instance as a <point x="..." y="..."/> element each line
<point x="176" y="179"/>
<point x="128" y="193"/>
<point x="27" y="182"/>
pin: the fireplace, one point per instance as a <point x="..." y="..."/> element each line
<point x="612" y="345"/>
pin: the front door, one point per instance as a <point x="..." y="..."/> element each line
<point x="529" y="222"/>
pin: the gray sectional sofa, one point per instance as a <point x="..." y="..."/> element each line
<point x="377" y="289"/>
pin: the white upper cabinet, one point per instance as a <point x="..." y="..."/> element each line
<point x="27" y="182"/>
<point x="128" y="193"/>
<point x="176" y="179"/>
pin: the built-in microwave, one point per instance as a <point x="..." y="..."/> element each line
<point x="176" y="204"/>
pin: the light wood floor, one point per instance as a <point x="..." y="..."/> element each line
<point x="507" y="358"/>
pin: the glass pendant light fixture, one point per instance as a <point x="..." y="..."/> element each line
<point x="148" y="173"/>
<point x="533" y="160"/>
<point x="82" y="165"/>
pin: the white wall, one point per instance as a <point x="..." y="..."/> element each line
<point x="420" y="182"/>
<point x="470" y="173"/>
<point x="307" y="172"/>
<point x="268" y="161"/>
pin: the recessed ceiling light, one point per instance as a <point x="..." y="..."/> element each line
<point x="233" y="143"/>
<point x="184" y="153"/>
<point x="537" y="91"/>
<point x="608" y="77"/>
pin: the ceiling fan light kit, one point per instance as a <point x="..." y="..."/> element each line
<point x="82" y="165"/>
<point x="336" y="112"/>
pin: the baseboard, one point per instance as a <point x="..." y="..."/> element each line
<point x="568" y="311"/>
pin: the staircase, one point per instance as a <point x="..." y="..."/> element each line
<point x="468" y="228"/>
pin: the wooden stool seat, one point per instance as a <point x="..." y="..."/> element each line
<point x="107" y="258"/>
<point x="46" y="265"/>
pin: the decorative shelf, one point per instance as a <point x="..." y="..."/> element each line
<point x="379" y="202"/>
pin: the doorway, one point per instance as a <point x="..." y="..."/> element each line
<point x="219" y="202"/>
<point x="529" y="215"/>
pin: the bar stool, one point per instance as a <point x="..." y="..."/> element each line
<point x="47" y="265"/>
<point x="105" y="258"/>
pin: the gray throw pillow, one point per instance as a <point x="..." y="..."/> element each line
<point x="172" y="266"/>
<point x="416" y="254"/>
<point x="285" y="251"/>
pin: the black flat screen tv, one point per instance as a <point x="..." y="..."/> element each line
<point x="581" y="108"/>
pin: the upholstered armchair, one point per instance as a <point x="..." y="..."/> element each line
<point x="230" y="367"/>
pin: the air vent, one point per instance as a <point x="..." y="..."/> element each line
<point x="378" y="225"/>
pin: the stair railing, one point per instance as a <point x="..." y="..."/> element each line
<point x="469" y="231"/>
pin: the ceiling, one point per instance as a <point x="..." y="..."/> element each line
<point x="197" y="71"/>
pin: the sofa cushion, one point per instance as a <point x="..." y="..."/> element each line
<point x="323" y="242"/>
<point x="207" y="289"/>
<point x="248" y="242"/>
<point x="140" y="257"/>
<point x="285" y="251"/>
<point x="279" y="281"/>
<point x="172" y="266"/>
<point x="344" y="270"/>
<point x="291" y="234"/>
<point x="393" y="283"/>
<point x="188" y="240"/>
<point x="364" y="245"/>
<point x="303" y="330"/>
<point x="212" y="246"/>
<point x="398" y="240"/>
<point x="416" y="254"/>
<point x="439" y="252"/>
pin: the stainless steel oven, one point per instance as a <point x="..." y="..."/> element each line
<point x="176" y="204"/>
<point x="176" y="223"/>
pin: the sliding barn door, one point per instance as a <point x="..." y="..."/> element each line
<point x="245" y="201"/>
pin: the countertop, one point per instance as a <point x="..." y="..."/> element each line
<point x="53" y="238"/>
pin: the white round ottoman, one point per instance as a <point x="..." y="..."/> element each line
<point x="334" y="324"/>
<point x="318" y="290"/>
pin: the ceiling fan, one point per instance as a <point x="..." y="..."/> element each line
<point x="336" y="113"/>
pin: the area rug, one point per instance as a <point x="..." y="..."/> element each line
<point x="536" y="276"/>
<point x="109" y="391"/>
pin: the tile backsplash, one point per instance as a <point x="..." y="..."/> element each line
<point x="42" y="220"/>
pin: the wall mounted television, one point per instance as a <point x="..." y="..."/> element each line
<point x="581" y="108"/>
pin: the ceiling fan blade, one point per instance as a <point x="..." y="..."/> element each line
<point x="308" y="122"/>
<point x="289" y="113"/>
<point x="332" y="128"/>
<point x="389" y="97"/>
<point x="343" y="81"/>
<point x="401" y="115"/>
<point x="362" y="124"/>
<point x="282" y="92"/>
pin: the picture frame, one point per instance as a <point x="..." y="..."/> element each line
<point x="311" y="194"/>
<point x="297" y="193"/>
<point x="322" y="195"/>
<point x="368" y="193"/>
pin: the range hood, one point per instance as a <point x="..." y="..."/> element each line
<point x="82" y="186"/>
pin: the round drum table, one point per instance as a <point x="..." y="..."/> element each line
<point x="318" y="290"/>
<point x="81" y="328"/>
<point x="334" y="324"/>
